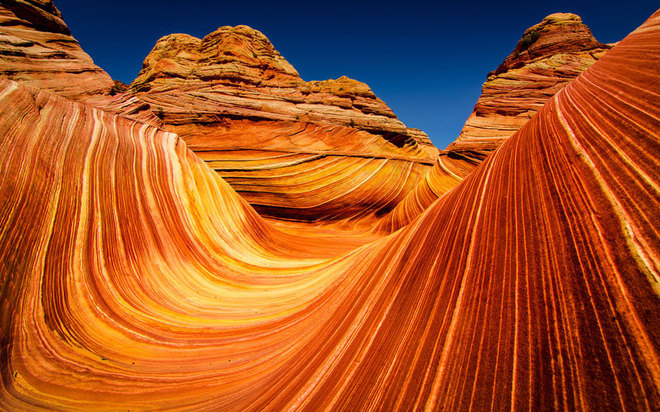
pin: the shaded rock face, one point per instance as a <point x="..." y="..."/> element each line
<point x="38" y="50"/>
<point x="236" y="73"/>
<point x="547" y="57"/>
<point x="41" y="15"/>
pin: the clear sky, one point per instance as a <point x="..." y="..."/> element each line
<point x="425" y="59"/>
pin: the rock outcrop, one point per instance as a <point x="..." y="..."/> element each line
<point x="236" y="73"/>
<point x="133" y="277"/>
<point x="297" y="150"/>
<point x="548" y="56"/>
<point x="37" y="49"/>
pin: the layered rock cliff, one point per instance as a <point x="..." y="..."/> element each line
<point x="236" y="73"/>
<point x="38" y="50"/>
<point x="133" y="277"/>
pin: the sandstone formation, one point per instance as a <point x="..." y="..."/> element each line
<point x="314" y="166"/>
<point x="37" y="49"/>
<point x="548" y="56"/>
<point x="318" y="150"/>
<point x="132" y="276"/>
<point x="236" y="73"/>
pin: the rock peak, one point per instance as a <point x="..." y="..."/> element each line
<point x="555" y="34"/>
<point x="557" y="18"/>
<point x="242" y="76"/>
<point x="37" y="49"/>
<point x="235" y="54"/>
<point x="549" y="55"/>
<point x="243" y="45"/>
<point x="241" y="30"/>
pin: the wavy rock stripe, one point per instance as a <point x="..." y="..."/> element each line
<point x="133" y="277"/>
<point x="296" y="171"/>
<point x="208" y="90"/>
<point x="449" y="170"/>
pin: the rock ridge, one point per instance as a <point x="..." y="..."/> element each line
<point x="236" y="72"/>
<point x="38" y="50"/>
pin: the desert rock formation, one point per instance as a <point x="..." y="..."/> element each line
<point x="132" y="276"/>
<point x="236" y="73"/>
<point x="547" y="57"/>
<point x="296" y="150"/>
<point x="38" y="50"/>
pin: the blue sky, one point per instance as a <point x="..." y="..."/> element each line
<point x="426" y="60"/>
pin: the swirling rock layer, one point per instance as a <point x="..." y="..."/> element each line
<point x="133" y="277"/>
<point x="295" y="171"/>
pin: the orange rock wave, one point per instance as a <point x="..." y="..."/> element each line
<point x="134" y="277"/>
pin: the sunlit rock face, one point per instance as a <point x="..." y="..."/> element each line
<point x="548" y="56"/>
<point x="235" y="72"/>
<point x="296" y="150"/>
<point x="133" y="277"/>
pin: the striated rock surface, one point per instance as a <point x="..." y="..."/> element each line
<point x="449" y="170"/>
<point x="297" y="150"/>
<point x="548" y="56"/>
<point x="133" y="277"/>
<point x="294" y="171"/>
<point x="37" y="49"/>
